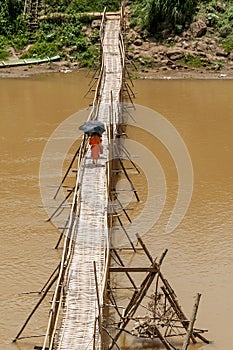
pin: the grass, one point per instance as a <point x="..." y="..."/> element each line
<point x="193" y="61"/>
<point x="227" y="44"/>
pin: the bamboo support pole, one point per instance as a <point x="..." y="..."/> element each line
<point x="124" y="210"/>
<point x="50" y="277"/>
<point x="137" y="299"/>
<point x="198" y="335"/>
<point x="60" y="205"/>
<point x="62" y="233"/>
<point x="162" y="339"/>
<point x="128" y="93"/>
<point x="127" y="176"/>
<point x="130" y="311"/>
<point x="174" y="303"/>
<point x="132" y="62"/>
<point x="59" y="239"/>
<point x="126" y="233"/>
<point x="128" y="157"/>
<point x="129" y="87"/>
<point x="94" y="75"/>
<point x="36" y="307"/>
<point x="113" y="301"/>
<point x="122" y="264"/>
<point x="146" y="284"/>
<point x="129" y="75"/>
<point x="144" y="248"/>
<point x="94" y="335"/>
<point x="99" y="304"/>
<point x="90" y="88"/>
<point x="67" y="172"/>
<point x="110" y="336"/>
<point x="145" y="281"/>
<point x="191" y="323"/>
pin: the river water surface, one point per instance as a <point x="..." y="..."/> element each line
<point x="200" y="249"/>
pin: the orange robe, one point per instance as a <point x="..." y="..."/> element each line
<point x="96" y="146"/>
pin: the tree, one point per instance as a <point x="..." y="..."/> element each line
<point x="9" y="12"/>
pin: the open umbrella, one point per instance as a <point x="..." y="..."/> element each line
<point x="93" y="127"/>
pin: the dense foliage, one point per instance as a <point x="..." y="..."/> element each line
<point x="68" y="37"/>
<point x="155" y="15"/>
<point x="219" y="15"/>
<point x="64" y="36"/>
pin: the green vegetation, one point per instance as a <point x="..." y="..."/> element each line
<point x="227" y="44"/>
<point x="192" y="61"/>
<point x="64" y="31"/>
<point x="64" y="35"/>
<point x="156" y="15"/>
<point x="175" y="15"/>
<point x="219" y="15"/>
<point x="3" y="54"/>
<point x="10" y="16"/>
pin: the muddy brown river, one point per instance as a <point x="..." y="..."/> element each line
<point x="200" y="249"/>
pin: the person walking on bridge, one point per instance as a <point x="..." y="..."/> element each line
<point x="96" y="147"/>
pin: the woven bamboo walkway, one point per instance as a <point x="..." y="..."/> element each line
<point x="90" y="226"/>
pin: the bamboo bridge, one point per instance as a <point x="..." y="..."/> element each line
<point x="85" y="258"/>
<point x="82" y="277"/>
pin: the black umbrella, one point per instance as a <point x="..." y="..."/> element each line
<point x="93" y="127"/>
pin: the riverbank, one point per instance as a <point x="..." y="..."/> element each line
<point x="63" y="67"/>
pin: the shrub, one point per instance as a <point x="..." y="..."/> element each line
<point x="43" y="49"/>
<point x="155" y="15"/>
<point x="92" y="5"/>
<point x="192" y="61"/>
<point x="3" y="54"/>
<point x="20" y="41"/>
<point x="88" y="58"/>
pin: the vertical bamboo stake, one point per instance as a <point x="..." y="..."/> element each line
<point x="191" y="323"/>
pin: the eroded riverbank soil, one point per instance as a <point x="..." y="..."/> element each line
<point x="146" y="73"/>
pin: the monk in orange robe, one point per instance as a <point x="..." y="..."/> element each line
<point x="96" y="147"/>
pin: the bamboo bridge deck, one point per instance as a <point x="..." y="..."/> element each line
<point x="88" y="223"/>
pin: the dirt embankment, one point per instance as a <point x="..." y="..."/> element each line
<point x="197" y="52"/>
